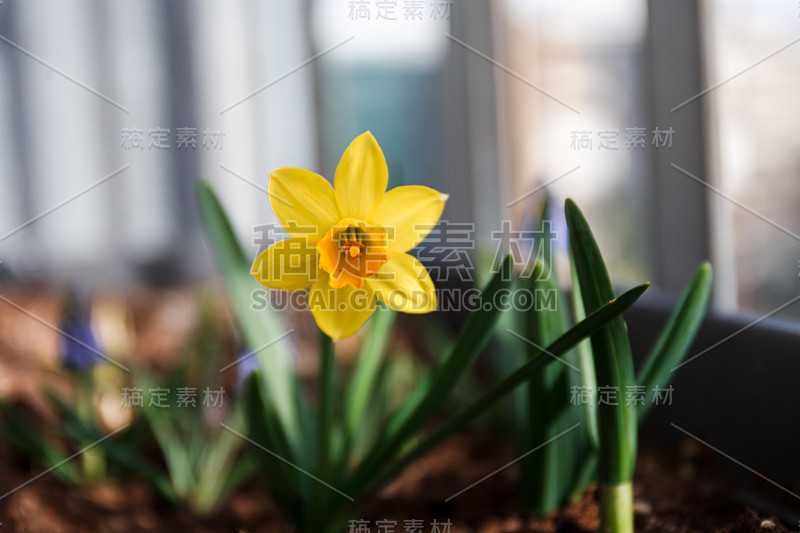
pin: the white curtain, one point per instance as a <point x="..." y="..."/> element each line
<point x="77" y="77"/>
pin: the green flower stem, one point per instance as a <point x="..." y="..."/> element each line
<point x="616" y="508"/>
<point x="93" y="461"/>
<point x="327" y="397"/>
<point x="327" y="394"/>
<point x="364" y="381"/>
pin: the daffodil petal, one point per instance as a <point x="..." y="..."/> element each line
<point x="361" y="178"/>
<point x="339" y="312"/>
<point x="288" y="265"/>
<point x="303" y="201"/>
<point x="404" y="285"/>
<point x="409" y="213"/>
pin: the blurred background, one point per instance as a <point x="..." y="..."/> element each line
<point x="671" y="123"/>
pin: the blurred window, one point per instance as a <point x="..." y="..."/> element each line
<point x="576" y="117"/>
<point x="756" y="149"/>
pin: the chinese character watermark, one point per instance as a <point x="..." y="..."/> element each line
<point x="526" y="247"/>
<point x="446" y="250"/>
<point x="408" y="526"/>
<point x="132" y="139"/>
<point x="159" y="397"/>
<point x="633" y="139"/>
<point x="662" y="396"/>
<point x="608" y="395"/>
<point x="212" y="139"/>
<point x="132" y="397"/>
<point x="158" y="138"/>
<point x="186" y="138"/>
<point x="390" y="10"/>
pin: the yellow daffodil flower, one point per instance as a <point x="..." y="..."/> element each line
<point x="349" y="245"/>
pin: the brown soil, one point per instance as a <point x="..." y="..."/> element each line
<point x="673" y="495"/>
<point x="677" y="491"/>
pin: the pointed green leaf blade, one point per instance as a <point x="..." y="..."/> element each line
<point x="613" y="361"/>
<point x="590" y="325"/>
<point x="262" y="328"/>
<point x="430" y="395"/>
<point x="547" y="473"/>
<point x="677" y="335"/>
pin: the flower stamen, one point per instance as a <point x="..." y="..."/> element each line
<point x="355" y="250"/>
<point x="352" y="251"/>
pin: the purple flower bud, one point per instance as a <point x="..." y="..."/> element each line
<point x="79" y="348"/>
<point x="248" y="362"/>
<point x="559" y="233"/>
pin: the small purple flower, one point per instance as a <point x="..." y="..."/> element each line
<point x="247" y="360"/>
<point x="247" y="363"/>
<point x="79" y="348"/>
<point x="559" y="232"/>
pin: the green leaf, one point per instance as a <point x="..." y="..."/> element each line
<point x="613" y="361"/>
<point x="362" y="389"/>
<point x="585" y="362"/>
<point x="362" y="384"/>
<point x="430" y="395"/>
<point x="241" y="470"/>
<point x="221" y="469"/>
<point x="677" y="335"/>
<point x="20" y="431"/>
<point x="589" y="439"/>
<point x="261" y="328"/>
<point x="327" y="401"/>
<point x="327" y="391"/>
<point x="546" y="474"/>
<point x="283" y="480"/>
<point x="176" y="455"/>
<point x="118" y="449"/>
<point x="590" y="325"/>
<point x="668" y="351"/>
